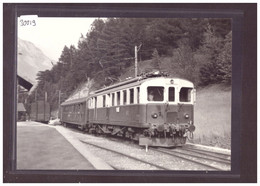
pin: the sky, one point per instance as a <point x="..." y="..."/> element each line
<point x="52" y="34"/>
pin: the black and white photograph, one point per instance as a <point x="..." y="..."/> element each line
<point x="124" y="93"/>
<point x="127" y="93"/>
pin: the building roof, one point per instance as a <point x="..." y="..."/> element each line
<point x="26" y="84"/>
<point x="20" y="107"/>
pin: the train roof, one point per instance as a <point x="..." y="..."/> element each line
<point x="136" y="82"/>
<point x="124" y="84"/>
<point x="79" y="100"/>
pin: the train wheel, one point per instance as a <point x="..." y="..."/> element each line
<point x="81" y="128"/>
<point x="124" y="135"/>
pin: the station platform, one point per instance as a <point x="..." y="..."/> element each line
<point x="40" y="147"/>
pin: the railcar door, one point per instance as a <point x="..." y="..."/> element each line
<point x="156" y="106"/>
<point x="108" y="105"/>
<point x="95" y="108"/>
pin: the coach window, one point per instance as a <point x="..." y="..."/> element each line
<point x="99" y="101"/>
<point x="104" y="101"/>
<point x="155" y="93"/>
<point x="76" y="108"/>
<point x="118" y="98"/>
<point x="171" y="95"/>
<point x="71" y="108"/>
<point x="80" y="107"/>
<point x="113" y="99"/>
<point x="91" y="103"/>
<point x="131" y="91"/>
<point x="185" y="94"/>
<point x="138" y="94"/>
<point x="124" y="97"/>
<point x="95" y="101"/>
<point x="107" y="100"/>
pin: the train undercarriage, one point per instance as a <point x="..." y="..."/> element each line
<point x="164" y="135"/>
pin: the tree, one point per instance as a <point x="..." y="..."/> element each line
<point x="156" y="62"/>
<point x="185" y="62"/>
<point x="218" y="52"/>
<point x="221" y="27"/>
<point x="112" y="49"/>
<point x="224" y="60"/>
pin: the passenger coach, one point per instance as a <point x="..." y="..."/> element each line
<point x="156" y="110"/>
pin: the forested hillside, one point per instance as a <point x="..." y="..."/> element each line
<point x="195" y="49"/>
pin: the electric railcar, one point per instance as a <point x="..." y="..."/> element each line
<point x="155" y="110"/>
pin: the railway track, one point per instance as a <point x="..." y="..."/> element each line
<point x="207" y="159"/>
<point x="126" y="155"/>
<point x="123" y="155"/>
<point x="220" y="155"/>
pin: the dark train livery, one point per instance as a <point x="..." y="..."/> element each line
<point x="40" y="111"/>
<point x="155" y="110"/>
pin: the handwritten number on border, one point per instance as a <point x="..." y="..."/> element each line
<point x="27" y="22"/>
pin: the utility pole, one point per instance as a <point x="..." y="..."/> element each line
<point x="35" y="94"/>
<point x="136" y="50"/>
<point x="135" y="61"/>
<point x="46" y="96"/>
<point x="59" y="98"/>
<point x="59" y="106"/>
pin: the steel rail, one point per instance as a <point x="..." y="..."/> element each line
<point x="213" y="158"/>
<point x="202" y="151"/>
<point x="122" y="154"/>
<point x="193" y="161"/>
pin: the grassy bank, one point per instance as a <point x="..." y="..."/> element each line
<point x="213" y="116"/>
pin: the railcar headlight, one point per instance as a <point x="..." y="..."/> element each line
<point x="154" y="115"/>
<point x="186" y="116"/>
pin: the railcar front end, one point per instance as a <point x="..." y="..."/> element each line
<point x="169" y="112"/>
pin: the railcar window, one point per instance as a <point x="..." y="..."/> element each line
<point x="81" y="107"/>
<point x="155" y="93"/>
<point x="91" y="103"/>
<point x="124" y="97"/>
<point x="138" y="94"/>
<point x="108" y="101"/>
<point x="76" y="108"/>
<point x="113" y="99"/>
<point x="118" y="98"/>
<point x="95" y="99"/>
<point x="104" y="101"/>
<point x="131" y="95"/>
<point x="171" y="95"/>
<point x="185" y="94"/>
